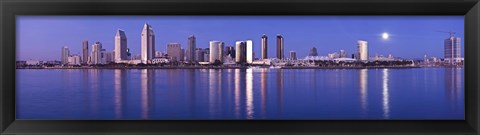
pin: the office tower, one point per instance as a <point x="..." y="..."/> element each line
<point x="182" y="54"/>
<point x="250" y="57"/>
<point x="96" y="56"/>
<point x="362" y="50"/>
<point x="452" y="48"/>
<point x="313" y="52"/>
<point x="206" y="55"/>
<point x="230" y="51"/>
<point x="65" y="55"/>
<point x="120" y="46"/>
<point x="343" y="54"/>
<point x="148" y="44"/>
<point x="280" y="42"/>
<point x="264" y="46"/>
<point x="103" y="56"/>
<point x="241" y="52"/>
<point x="85" y="52"/>
<point x="216" y="51"/>
<point x="199" y="54"/>
<point x="191" y="48"/>
<point x="293" y="55"/>
<point x="174" y="51"/>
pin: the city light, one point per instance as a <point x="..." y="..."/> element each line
<point x="385" y="35"/>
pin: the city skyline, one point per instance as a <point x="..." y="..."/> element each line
<point x="300" y="43"/>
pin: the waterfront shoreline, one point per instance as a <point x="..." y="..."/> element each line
<point x="369" y="67"/>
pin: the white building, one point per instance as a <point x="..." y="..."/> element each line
<point x="120" y="46"/>
<point x="240" y="51"/>
<point x="216" y="51"/>
<point x="362" y="50"/>
<point x="74" y="60"/>
<point x="96" y="57"/>
<point x="250" y="57"/>
<point x="65" y="55"/>
<point x="148" y="44"/>
<point x="32" y="62"/>
<point x="160" y="60"/>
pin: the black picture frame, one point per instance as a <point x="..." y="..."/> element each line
<point x="10" y="8"/>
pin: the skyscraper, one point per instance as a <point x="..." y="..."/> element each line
<point x="362" y="46"/>
<point x="452" y="48"/>
<point x="313" y="52"/>
<point x="96" y="57"/>
<point x="148" y="44"/>
<point x="206" y="55"/>
<point x="65" y="55"/>
<point x="199" y="54"/>
<point x="293" y="55"/>
<point x="120" y="46"/>
<point x="85" y="52"/>
<point x="280" y="54"/>
<point x="216" y="51"/>
<point x="343" y="54"/>
<point x="241" y="52"/>
<point x="230" y="51"/>
<point x="174" y="51"/>
<point x="191" y="49"/>
<point x="264" y="46"/>
<point x="250" y="57"/>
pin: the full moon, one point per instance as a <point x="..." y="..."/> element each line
<point x="385" y="35"/>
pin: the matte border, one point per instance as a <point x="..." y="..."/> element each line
<point x="10" y="8"/>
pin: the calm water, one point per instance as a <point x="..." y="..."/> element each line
<point x="420" y="93"/>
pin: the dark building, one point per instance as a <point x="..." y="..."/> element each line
<point x="280" y="47"/>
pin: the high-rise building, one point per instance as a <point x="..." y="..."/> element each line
<point x="293" y="55"/>
<point x="148" y="44"/>
<point x="362" y="46"/>
<point x="65" y="55"/>
<point x="199" y="54"/>
<point x="206" y="55"/>
<point x="280" y="47"/>
<point x="104" y="56"/>
<point x="230" y="51"/>
<point x="313" y="52"/>
<point x="250" y="56"/>
<point x="264" y="46"/>
<point x="343" y="54"/>
<point x="216" y="51"/>
<point x="120" y="46"/>
<point x="182" y="54"/>
<point x="240" y="52"/>
<point x="452" y="49"/>
<point x="174" y="51"/>
<point x="96" y="57"/>
<point x="190" y="54"/>
<point x="85" y="52"/>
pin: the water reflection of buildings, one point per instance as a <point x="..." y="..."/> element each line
<point x="120" y="98"/>
<point x="363" y="78"/>
<point x="280" y="90"/>
<point x="214" y="91"/>
<point x="453" y="83"/>
<point x="237" y="93"/>
<point x="263" y="91"/>
<point x="249" y="93"/>
<point x="385" y="93"/>
<point x="147" y="92"/>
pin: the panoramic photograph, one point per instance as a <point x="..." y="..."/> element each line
<point x="240" y="68"/>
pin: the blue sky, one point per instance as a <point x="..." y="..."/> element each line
<point x="42" y="37"/>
